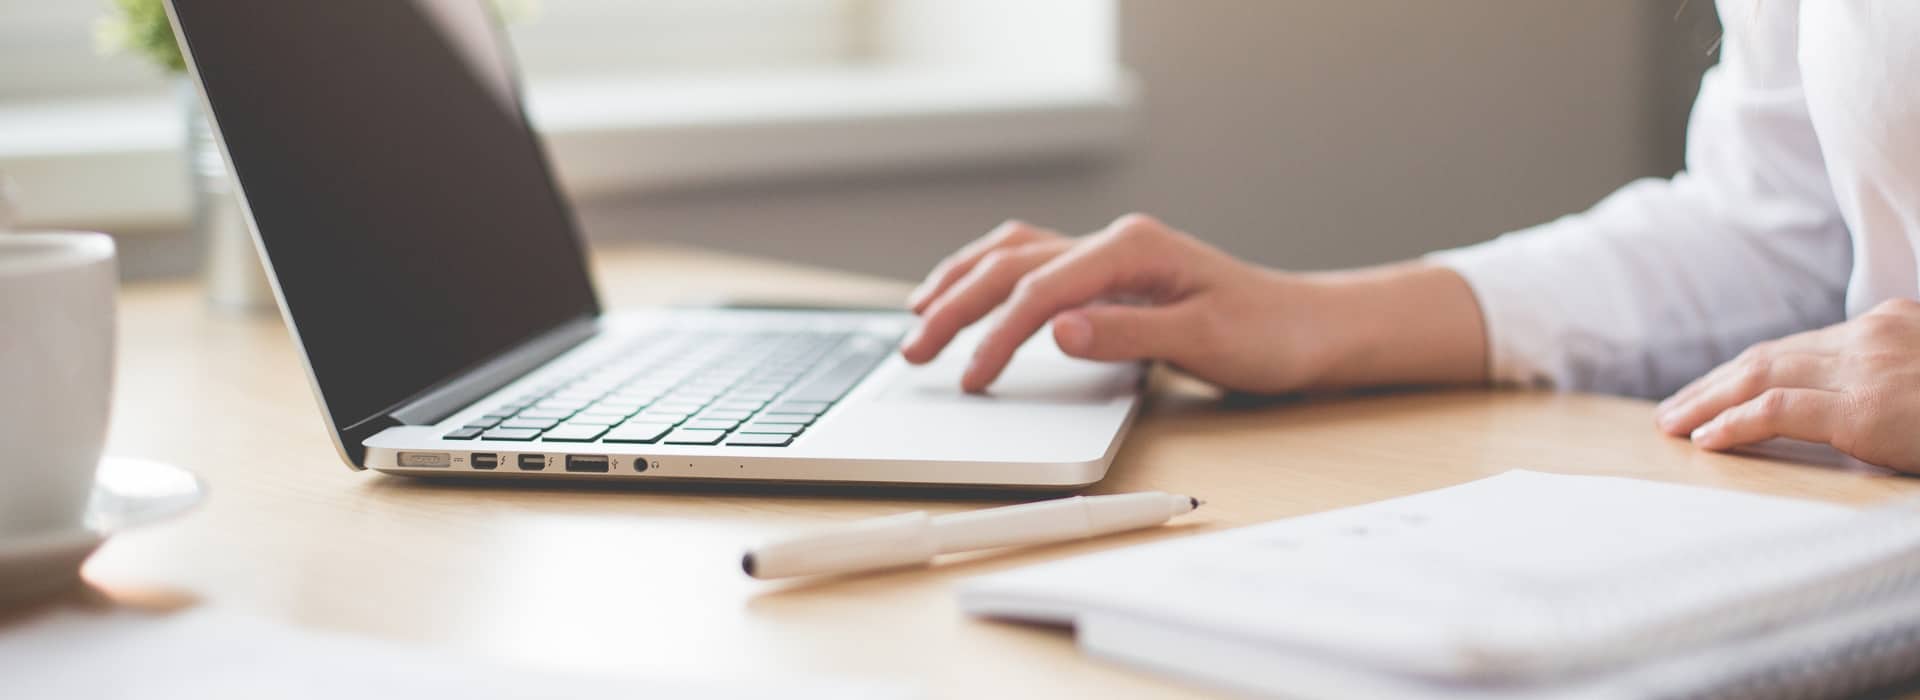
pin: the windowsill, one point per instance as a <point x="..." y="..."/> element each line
<point x="118" y="163"/>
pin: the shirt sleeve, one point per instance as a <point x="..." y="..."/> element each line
<point x="1665" y="279"/>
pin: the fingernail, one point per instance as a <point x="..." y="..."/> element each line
<point x="1701" y="433"/>
<point x="970" y="379"/>
<point x="1073" y="332"/>
<point x="913" y="338"/>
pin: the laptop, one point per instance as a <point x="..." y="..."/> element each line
<point x="435" y="281"/>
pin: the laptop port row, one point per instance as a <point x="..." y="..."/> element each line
<point x="599" y="464"/>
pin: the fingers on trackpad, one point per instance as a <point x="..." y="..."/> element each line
<point x="1050" y="380"/>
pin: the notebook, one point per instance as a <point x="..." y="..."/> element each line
<point x="1520" y="585"/>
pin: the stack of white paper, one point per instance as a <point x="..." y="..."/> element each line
<point x="1524" y="584"/>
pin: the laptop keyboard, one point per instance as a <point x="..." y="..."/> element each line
<point x="694" y="387"/>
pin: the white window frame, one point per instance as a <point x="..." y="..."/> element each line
<point x="575" y="38"/>
<point x="47" y="51"/>
<point x="915" y="85"/>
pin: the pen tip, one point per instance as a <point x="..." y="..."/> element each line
<point x="1196" y="502"/>
<point x="746" y="563"/>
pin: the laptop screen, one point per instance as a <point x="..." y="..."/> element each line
<point x="406" y="208"/>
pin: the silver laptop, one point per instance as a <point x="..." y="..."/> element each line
<point x="435" y="281"/>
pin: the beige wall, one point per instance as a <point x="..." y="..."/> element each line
<point x="1298" y="133"/>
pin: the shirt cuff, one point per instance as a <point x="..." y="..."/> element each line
<point x="1521" y="350"/>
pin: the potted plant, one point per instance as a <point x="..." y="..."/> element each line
<point x="232" y="273"/>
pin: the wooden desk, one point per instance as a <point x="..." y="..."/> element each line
<point x="648" y="579"/>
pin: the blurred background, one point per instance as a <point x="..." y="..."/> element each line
<point x="876" y="135"/>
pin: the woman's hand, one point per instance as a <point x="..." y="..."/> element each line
<point x="1196" y="307"/>
<point x="1855" y="386"/>
<point x="1142" y="290"/>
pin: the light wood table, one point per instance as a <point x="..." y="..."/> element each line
<point x="647" y="578"/>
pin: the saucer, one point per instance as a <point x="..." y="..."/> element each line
<point x="127" y="494"/>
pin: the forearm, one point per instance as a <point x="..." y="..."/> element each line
<point x="1404" y="324"/>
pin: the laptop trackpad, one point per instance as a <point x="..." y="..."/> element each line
<point x="1039" y="374"/>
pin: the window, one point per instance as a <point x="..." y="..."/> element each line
<point x="631" y="94"/>
<point x="49" y="49"/>
<point x="573" y="38"/>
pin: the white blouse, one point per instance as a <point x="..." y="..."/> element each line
<point x="1799" y="208"/>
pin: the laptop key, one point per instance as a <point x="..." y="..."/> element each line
<point x="638" y="432"/>
<point x="778" y="417"/>
<point x="711" y="424"/>
<point x="535" y="424"/>
<point x="596" y="419"/>
<point x="653" y="416"/>
<point x="760" y="440"/>
<point x="541" y="413"/>
<point x="726" y="415"/>
<point x="574" y="432"/>
<point x="773" y="428"/>
<point x="814" y="407"/>
<point x="515" y="434"/>
<point x="467" y="433"/>
<point x="621" y="407"/>
<point x="695" y="437"/>
<point x="845" y="372"/>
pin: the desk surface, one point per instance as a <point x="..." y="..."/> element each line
<point x="644" y="578"/>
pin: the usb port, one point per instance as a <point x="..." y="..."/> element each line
<point x="484" y="460"/>
<point x="533" y="463"/>
<point x="587" y="463"/>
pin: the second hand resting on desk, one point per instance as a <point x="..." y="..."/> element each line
<point x="911" y="539"/>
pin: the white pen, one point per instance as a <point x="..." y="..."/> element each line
<point x="911" y="539"/>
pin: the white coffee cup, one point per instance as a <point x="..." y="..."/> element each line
<point x="56" y="375"/>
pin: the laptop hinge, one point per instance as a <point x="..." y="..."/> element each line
<point x="353" y="439"/>
<point x="442" y="401"/>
